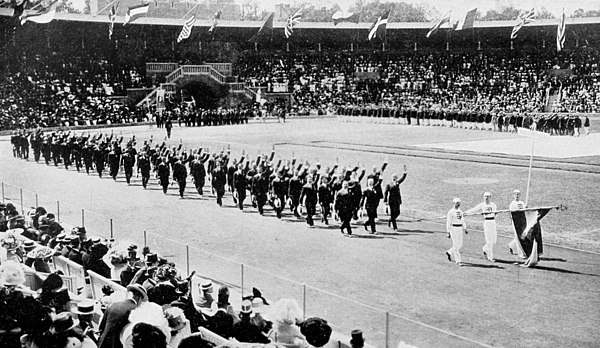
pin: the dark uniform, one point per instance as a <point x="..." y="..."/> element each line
<point x="180" y="175"/>
<point x="164" y="173"/>
<point x="309" y="195"/>
<point x="393" y="199"/>
<point x="218" y="183"/>
<point x="143" y="164"/>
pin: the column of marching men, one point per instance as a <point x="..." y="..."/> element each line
<point x="554" y="124"/>
<point x="262" y="181"/>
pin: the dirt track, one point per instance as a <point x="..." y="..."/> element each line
<point x="498" y="304"/>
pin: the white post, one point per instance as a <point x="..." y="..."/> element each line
<point x="529" y="175"/>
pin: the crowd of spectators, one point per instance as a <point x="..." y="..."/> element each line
<point x="162" y="308"/>
<point x="60" y="90"/>
<point x="506" y="81"/>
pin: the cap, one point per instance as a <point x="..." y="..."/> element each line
<point x="517" y="191"/>
<point x="487" y="194"/>
<point x="456" y="200"/>
<point x="207" y="285"/>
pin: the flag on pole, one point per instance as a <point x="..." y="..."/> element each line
<point x="42" y="17"/>
<point x="340" y="16"/>
<point x="216" y="18"/>
<point x="434" y="29"/>
<point x="267" y="25"/>
<point x="136" y="12"/>
<point x="526" y="18"/>
<point x="528" y="233"/>
<point x="292" y="21"/>
<point x="378" y="28"/>
<point x="467" y="21"/>
<point x="112" y="16"/>
<point x="186" y="31"/>
<point x="560" y="32"/>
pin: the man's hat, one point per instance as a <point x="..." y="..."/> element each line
<point x="84" y="308"/>
<point x="138" y="290"/>
<point x="357" y="338"/>
<point x="487" y="194"/>
<point x="517" y="191"/>
<point x="151" y="258"/>
<point x="258" y="305"/>
<point x="63" y="322"/>
<point x="316" y="331"/>
<point x="79" y="230"/>
<point x="456" y="200"/>
<point x="246" y="307"/>
<point x="207" y="285"/>
<point x="29" y="245"/>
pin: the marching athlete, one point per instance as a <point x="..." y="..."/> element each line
<point x="488" y="209"/>
<point x="455" y="227"/>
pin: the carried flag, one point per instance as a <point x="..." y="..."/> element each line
<point x="526" y="18"/>
<point x="216" y="18"/>
<point x="267" y="25"/>
<point x="292" y="21"/>
<point x="340" y="16"/>
<point x="529" y="233"/>
<point x="136" y="12"/>
<point x="560" y="32"/>
<point x="378" y="28"/>
<point x="186" y="31"/>
<point x="434" y="29"/>
<point x="467" y="21"/>
<point x="112" y="16"/>
<point x="42" y="17"/>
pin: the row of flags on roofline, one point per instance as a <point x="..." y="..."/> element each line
<point x="377" y="29"/>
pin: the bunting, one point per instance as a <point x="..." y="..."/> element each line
<point x="560" y="32"/>
<point x="186" y="31"/>
<point x="292" y="21"/>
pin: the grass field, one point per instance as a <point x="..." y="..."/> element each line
<point x="432" y="303"/>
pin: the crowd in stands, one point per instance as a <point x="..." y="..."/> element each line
<point x="491" y="80"/>
<point x="61" y="90"/>
<point x="162" y="308"/>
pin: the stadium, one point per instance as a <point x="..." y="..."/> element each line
<point x="120" y="150"/>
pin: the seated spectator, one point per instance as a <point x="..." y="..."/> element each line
<point x="245" y="330"/>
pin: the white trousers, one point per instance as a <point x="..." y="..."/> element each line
<point x="491" y="237"/>
<point x="456" y="234"/>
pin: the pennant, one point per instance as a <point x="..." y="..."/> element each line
<point x="526" y="18"/>
<point x="112" y="16"/>
<point x="136" y="12"/>
<point x="378" y="28"/>
<point x="216" y="18"/>
<point x="267" y="25"/>
<point x="186" y="31"/>
<point x="467" y="21"/>
<point x="560" y="32"/>
<point x="529" y="233"/>
<point x="434" y="29"/>
<point x="42" y="17"/>
<point x="340" y="16"/>
<point x="292" y="21"/>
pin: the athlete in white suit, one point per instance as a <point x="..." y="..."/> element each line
<point x="455" y="227"/>
<point x="488" y="209"/>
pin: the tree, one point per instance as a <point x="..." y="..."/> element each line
<point x="506" y="14"/>
<point x="543" y="13"/>
<point x="401" y="11"/>
<point x="580" y="13"/>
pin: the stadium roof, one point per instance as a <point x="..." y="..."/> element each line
<point x="103" y="18"/>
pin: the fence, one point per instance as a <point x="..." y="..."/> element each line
<point x="382" y="328"/>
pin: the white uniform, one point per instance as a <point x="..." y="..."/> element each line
<point x="514" y="244"/>
<point x="489" y="226"/>
<point x="455" y="225"/>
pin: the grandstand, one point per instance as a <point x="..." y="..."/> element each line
<point x="396" y="286"/>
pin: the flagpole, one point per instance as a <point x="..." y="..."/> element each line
<point x="529" y="175"/>
<point x="188" y="12"/>
<point x="100" y="11"/>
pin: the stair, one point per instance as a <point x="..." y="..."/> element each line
<point x="219" y="72"/>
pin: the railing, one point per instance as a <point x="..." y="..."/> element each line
<point x="169" y="87"/>
<point x="383" y="329"/>
<point x="195" y="69"/>
<point x="152" y="68"/>
<point x="174" y="75"/>
<point x="148" y="98"/>
<point x="223" y="68"/>
<point x="237" y="87"/>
